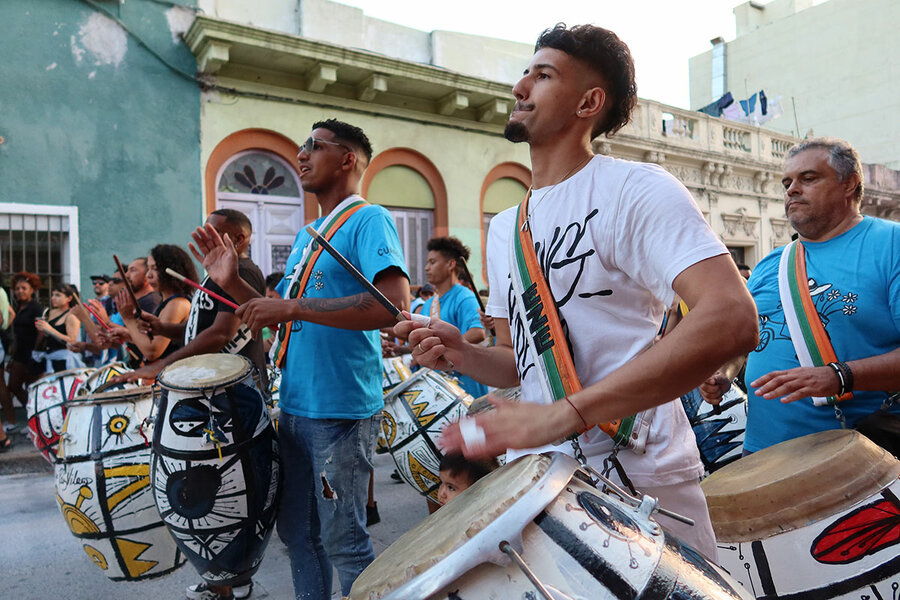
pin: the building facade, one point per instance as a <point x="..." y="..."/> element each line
<point x="133" y="121"/>
<point x="833" y="64"/>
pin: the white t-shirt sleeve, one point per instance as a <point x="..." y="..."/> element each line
<point x="497" y="248"/>
<point x="660" y="231"/>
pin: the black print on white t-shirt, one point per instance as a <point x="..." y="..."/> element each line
<point x="560" y="253"/>
<point x="518" y="331"/>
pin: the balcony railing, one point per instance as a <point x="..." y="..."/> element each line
<point x="694" y="130"/>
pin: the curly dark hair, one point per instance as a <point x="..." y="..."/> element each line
<point x="347" y="134"/>
<point x="33" y="280"/>
<point x="273" y="279"/>
<point x="603" y="51"/>
<point x="169" y="256"/>
<point x="449" y="247"/>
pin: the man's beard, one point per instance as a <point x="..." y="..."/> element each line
<point x="515" y="132"/>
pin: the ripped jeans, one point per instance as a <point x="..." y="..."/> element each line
<point x="323" y="527"/>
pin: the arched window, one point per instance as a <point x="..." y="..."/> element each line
<point x="411" y="188"/>
<point x="253" y="171"/>
<point x="504" y="186"/>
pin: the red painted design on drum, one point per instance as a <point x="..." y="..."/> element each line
<point x="49" y="392"/>
<point x="859" y="534"/>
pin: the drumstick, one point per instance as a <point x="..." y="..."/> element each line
<point x="382" y="299"/>
<point x="194" y="284"/>
<point x="103" y="323"/>
<point x="465" y="267"/>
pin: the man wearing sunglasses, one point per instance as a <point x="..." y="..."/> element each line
<point x="330" y="352"/>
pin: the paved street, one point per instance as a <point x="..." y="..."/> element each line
<point x="40" y="559"/>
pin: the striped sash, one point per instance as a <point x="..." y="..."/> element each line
<point x="808" y="335"/>
<point x="544" y="337"/>
<point x="304" y="268"/>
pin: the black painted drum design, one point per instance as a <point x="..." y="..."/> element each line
<point x="537" y="529"/>
<point x="103" y="486"/>
<point x="46" y="407"/>
<point x="99" y="381"/>
<point x="216" y="472"/>
<point x="414" y="414"/>
<point x="813" y="518"/>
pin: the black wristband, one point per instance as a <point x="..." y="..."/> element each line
<point x="848" y="377"/>
<point x="839" y="372"/>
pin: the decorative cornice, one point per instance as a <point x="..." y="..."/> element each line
<point x="248" y="57"/>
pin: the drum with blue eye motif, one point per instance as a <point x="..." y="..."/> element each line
<point x="538" y="528"/>
<point x="103" y="486"/>
<point x="216" y="472"/>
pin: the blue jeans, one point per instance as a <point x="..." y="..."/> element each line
<point x="324" y="528"/>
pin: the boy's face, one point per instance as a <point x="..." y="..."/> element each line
<point x="452" y="485"/>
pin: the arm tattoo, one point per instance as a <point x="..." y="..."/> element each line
<point x="361" y="302"/>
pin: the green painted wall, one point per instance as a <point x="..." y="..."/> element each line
<point x="92" y="119"/>
<point x="400" y="186"/>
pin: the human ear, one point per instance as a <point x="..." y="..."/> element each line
<point x="592" y="102"/>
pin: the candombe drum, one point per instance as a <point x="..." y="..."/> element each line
<point x="394" y="371"/>
<point x="414" y="414"/>
<point x="103" y="486"/>
<point x="274" y="395"/>
<point x="99" y="381"/>
<point x="719" y="430"/>
<point x="215" y="470"/>
<point x="810" y="519"/>
<point x="538" y="529"/>
<point x="46" y="407"/>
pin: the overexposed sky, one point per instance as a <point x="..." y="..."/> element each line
<point x="662" y="34"/>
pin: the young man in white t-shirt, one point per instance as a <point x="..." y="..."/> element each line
<point x="616" y="241"/>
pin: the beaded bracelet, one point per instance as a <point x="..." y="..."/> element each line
<point x="841" y="369"/>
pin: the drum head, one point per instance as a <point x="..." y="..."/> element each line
<point x="448" y="530"/>
<point x="795" y="483"/>
<point x="205" y="371"/>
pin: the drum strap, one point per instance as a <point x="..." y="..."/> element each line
<point x="304" y="267"/>
<point x="546" y="342"/>
<point x="808" y="335"/>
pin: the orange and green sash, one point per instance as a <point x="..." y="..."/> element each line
<point x="544" y="335"/>
<point x="808" y="335"/>
<point x="304" y="268"/>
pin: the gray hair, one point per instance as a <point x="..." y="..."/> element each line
<point x="842" y="157"/>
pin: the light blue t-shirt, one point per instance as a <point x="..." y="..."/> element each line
<point x="854" y="281"/>
<point x="333" y="373"/>
<point x="459" y="307"/>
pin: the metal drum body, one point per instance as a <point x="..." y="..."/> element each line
<point x="577" y="541"/>
<point x="99" y="380"/>
<point x="103" y="486"/>
<point x="414" y="414"/>
<point x="719" y="433"/>
<point x="215" y="471"/>
<point x="810" y="519"/>
<point x="46" y="407"/>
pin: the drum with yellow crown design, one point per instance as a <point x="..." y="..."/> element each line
<point x="103" y="486"/>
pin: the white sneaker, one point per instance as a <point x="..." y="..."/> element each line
<point x="201" y="591"/>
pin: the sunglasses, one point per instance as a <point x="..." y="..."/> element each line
<point x="115" y="280"/>
<point x="311" y="144"/>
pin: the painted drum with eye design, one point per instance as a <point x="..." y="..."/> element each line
<point x="216" y="472"/>
<point x="812" y="518"/>
<point x="103" y="486"/>
<point x="538" y="528"/>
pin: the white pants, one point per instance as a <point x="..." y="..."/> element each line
<point x="686" y="499"/>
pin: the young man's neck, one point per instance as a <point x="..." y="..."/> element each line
<point x="553" y="164"/>
<point x="442" y="288"/>
<point x="333" y="196"/>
